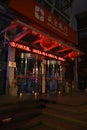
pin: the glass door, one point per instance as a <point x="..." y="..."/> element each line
<point x="28" y="73"/>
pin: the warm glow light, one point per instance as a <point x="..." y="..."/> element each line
<point x="44" y="19"/>
<point x="73" y="54"/>
<point x="36" y="51"/>
<point x="20" y="46"/>
<point x="45" y="42"/>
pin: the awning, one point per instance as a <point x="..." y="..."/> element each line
<point x="39" y="30"/>
<point x="39" y="42"/>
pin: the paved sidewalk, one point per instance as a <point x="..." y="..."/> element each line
<point x="76" y="98"/>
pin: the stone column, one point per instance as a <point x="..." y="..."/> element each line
<point x="11" y="88"/>
<point x="36" y="74"/>
<point x="76" y="75"/>
<point x="43" y="76"/>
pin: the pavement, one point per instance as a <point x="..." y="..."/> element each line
<point x="53" y="111"/>
<point x="74" y="98"/>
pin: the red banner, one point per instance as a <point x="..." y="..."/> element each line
<point x="45" y="19"/>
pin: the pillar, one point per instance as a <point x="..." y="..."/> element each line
<point x="11" y="88"/>
<point x="75" y="74"/>
<point x="36" y="73"/>
<point x="43" y="76"/>
<point x="48" y="82"/>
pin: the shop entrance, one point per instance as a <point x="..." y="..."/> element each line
<point x="29" y="73"/>
<point x="54" y="76"/>
<point x="30" y="37"/>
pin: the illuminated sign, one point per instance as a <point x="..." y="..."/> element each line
<point x="20" y="46"/>
<point x="36" y="51"/>
<point x="44" y="19"/>
<point x="45" y="54"/>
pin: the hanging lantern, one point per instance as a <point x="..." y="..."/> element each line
<point x="46" y="42"/>
<point x="73" y="54"/>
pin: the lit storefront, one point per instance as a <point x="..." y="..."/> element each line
<point x="38" y="49"/>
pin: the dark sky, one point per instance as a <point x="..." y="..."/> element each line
<point x="79" y="6"/>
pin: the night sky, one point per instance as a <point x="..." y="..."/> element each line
<point x="79" y="6"/>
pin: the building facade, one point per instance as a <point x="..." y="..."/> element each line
<point x="40" y="48"/>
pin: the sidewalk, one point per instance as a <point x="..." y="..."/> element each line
<point x="76" y="98"/>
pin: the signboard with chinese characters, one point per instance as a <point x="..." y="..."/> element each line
<point x="36" y="51"/>
<point x="44" y="19"/>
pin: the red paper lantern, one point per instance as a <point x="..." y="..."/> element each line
<point x="45" y="42"/>
<point x="73" y="54"/>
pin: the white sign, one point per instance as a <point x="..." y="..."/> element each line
<point x="39" y="13"/>
<point x="12" y="64"/>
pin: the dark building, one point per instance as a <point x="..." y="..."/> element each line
<point x="82" y="40"/>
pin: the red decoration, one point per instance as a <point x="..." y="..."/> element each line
<point x="45" y="42"/>
<point x="73" y="54"/>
